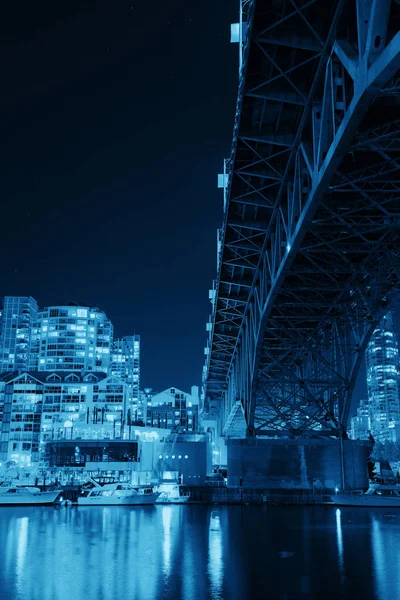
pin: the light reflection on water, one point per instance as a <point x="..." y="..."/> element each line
<point x="339" y="536"/>
<point x="215" y="556"/>
<point x="166" y="516"/>
<point x="385" y="535"/>
<point x="198" y="552"/>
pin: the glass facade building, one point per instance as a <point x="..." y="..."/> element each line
<point x="125" y="364"/>
<point x="382" y="362"/>
<point x="18" y="316"/>
<point x="79" y="454"/>
<point x="71" y="338"/>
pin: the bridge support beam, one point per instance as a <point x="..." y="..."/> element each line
<point x="310" y="251"/>
<point x="235" y="424"/>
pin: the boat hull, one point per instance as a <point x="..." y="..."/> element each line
<point x="45" y="498"/>
<point x="139" y="500"/>
<point x="366" y="500"/>
<point x="179" y="500"/>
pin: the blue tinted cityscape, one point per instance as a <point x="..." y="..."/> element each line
<point x="217" y="416"/>
<point x="64" y="376"/>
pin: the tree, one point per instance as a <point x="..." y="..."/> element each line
<point x="386" y="451"/>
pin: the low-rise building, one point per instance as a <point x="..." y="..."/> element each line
<point x="38" y="407"/>
<point x="186" y="455"/>
<point x="152" y="455"/>
<point x="174" y="409"/>
<point x="80" y="424"/>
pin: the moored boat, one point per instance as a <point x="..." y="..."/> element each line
<point x="376" y="496"/>
<point x="172" y="492"/>
<point x="117" y="494"/>
<point x="14" y="495"/>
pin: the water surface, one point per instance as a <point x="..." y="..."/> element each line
<point x="198" y="552"/>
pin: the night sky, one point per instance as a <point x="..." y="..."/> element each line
<point x="116" y="117"/>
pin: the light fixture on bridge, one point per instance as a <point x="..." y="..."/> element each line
<point x="238" y="32"/>
<point x="222" y="180"/>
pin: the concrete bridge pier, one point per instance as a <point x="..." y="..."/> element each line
<point x="298" y="463"/>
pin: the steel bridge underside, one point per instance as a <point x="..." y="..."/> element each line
<point x="310" y="254"/>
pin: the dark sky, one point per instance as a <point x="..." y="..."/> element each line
<point x="115" y="119"/>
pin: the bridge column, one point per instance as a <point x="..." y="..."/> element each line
<point x="263" y="463"/>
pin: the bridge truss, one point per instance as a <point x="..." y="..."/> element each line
<point x="310" y="252"/>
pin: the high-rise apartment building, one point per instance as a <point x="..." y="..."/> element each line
<point x="19" y="314"/>
<point x="125" y="364"/>
<point x="382" y="363"/>
<point x="71" y="338"/>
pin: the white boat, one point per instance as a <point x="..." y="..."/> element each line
<point x="18" y="495"/>
<point x="172" y="492"/>
<point x="117" y="494"/>
<point x="376" y="495"/>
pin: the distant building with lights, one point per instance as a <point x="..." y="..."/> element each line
<point x="125" y="364"/>
<point x="361" y="423"/>
<point x="70" y="398"/>
<point x="71" y="338"/>
<point x="145" y="401"/>
<point x="382" y="367"/>
<point x="18" y="316"/>
<point x="148" y="457"/>
<point x="77" y="424"/>
<point x="174" y="409"/>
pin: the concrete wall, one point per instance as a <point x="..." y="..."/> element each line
<point x="192" y="460"/>
<point x="268" y="463"/>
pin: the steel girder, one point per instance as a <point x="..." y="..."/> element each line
<point x="310" y="251"/>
